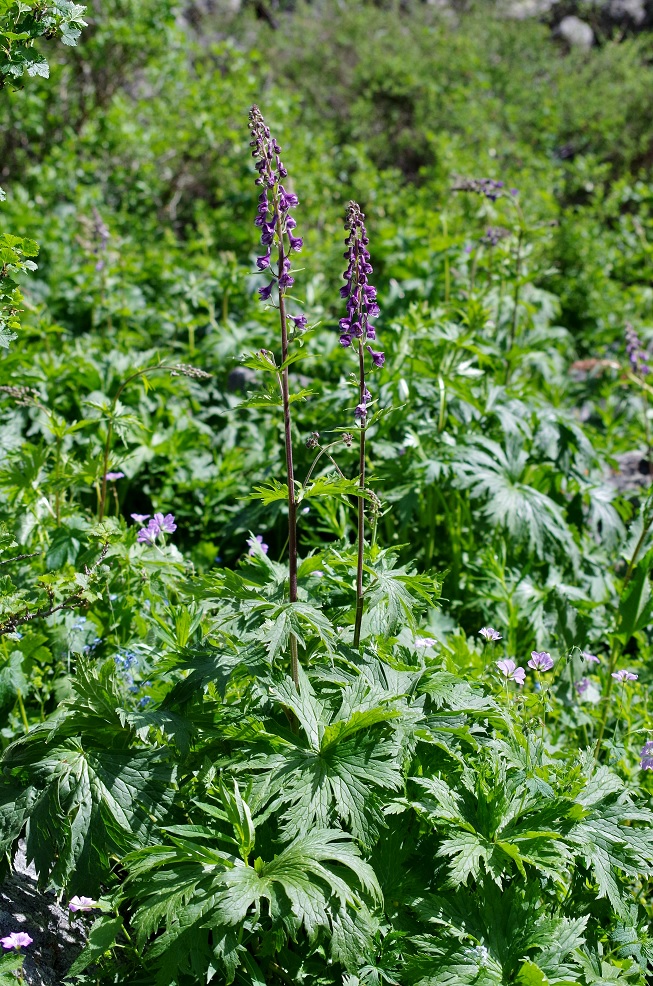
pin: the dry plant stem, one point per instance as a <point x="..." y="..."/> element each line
<point x="361" y="506"/>
<point x="292" y="502"/>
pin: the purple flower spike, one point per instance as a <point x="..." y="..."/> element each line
<point x="590" y="658"/>
<point x="273" y="216"/>
<point x="17" y="940"/>
<point x="378" y="358"/>
<point x="509" y="670"/>
<point x="636" y="352"/>
<point x="257" y="542"/>
<point x="82" y="904"/>
<point x="489" y="633"/>
<point x="540" y="661"/>
<point x="624" y="676"/>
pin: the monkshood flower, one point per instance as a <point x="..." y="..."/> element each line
<point x="636" y="353"/>
<point x="255" y="543"/>
<point x="647" y="756"/>
<point x="511" y="672"/>
<point x="590" y="658"/>
<point x="82" y="904"/>
<point x="540" y="661"/>
<point x="274" y="204"/>
<point x="624" y="676"/>
<point x="17" y="940"/>
<point x="361" y="300"/>
<point x="489" y="633"/>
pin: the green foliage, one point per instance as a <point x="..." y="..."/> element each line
<point x="407" y="813"/>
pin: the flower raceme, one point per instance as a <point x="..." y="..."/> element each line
<point x="362" y="305"/>
<point x="647" y="756"/>
<point x="273" y="216"/>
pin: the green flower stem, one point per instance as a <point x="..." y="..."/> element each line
<point x="361" y="505"/>
<point x="290" y="472"/>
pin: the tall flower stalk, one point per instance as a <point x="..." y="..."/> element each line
<point x="357" y="331"/>
<point x="277" y="230"/>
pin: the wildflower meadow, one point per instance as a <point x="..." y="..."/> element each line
<point x="326" y="500"/>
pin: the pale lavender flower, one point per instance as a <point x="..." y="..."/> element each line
<point x="647" y="756"/>
<point x="624" y="676"/>
<point x="147" y="535"/>
<point x="113" y="476"/>
<point x="590" y="658"/>
<point x="166" y="524"/>
<point x="140" y="518"/>
<point x="255" y="543"/>
<point x="489" y="633"/>
<point x="540" y="661"/>
<point x="17" y="940"/>
<point x="425" y="642"/>
<point x="82" y="904"/>
<point x="509" y="670"/>
<point x="582" y="685"/>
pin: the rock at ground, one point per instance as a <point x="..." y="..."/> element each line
<point x="633" y="11"/>
<point x="57" y="940"/>
<point x="577" y="33"/>
<point x="523" y="9"/>
<point x="633" y="472"/>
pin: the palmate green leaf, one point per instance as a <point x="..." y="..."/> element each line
<point x="301" y="619"/>
<point x="339" y="768"/>
<point x="269" y="493"/>
<point x="184" y="891"/>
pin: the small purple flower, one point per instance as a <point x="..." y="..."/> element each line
<point x="264" y="261"/>
<point x="82" y="904"/>
<point x="296" y="243"/>
<point x="17" y="940"/>
<point x="647" y="756"/>
<point x="582" y="685"/>
<point x="147" y="535"/>
<point x="300" y="321"/>
<point x="345" y="339"/>
<point x="165" y="524"/>
<point x="509" y="670"/>
<point x="286" y="281"/>
<point x="636" y="353"/>
<point x="590" y="658"/>
<point x="540" y="661"/>
<point x="489" y="633"/>
<point x="624" y="676"/>
<point x="111" y="477"/>
<point x="360" y="412"/>
<point x="424" y="642"/>
<point x="264" y="293"/>
<point x="140" y="518"/>
<point x="257" y="542"/>
<point x="378" y="358"/>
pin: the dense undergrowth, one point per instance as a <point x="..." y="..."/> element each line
<point x="409" y="801"/>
